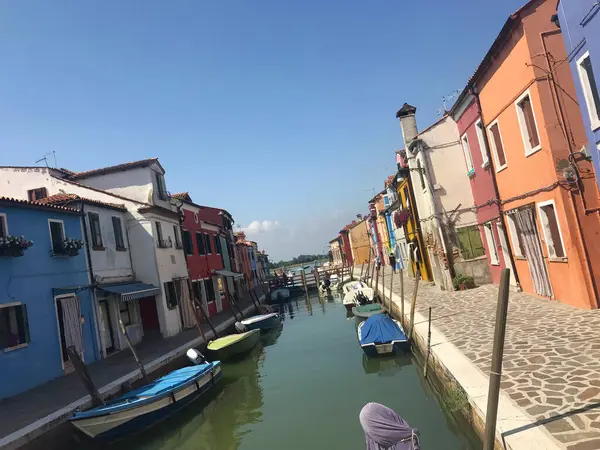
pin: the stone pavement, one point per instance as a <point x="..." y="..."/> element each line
<point x="36" y="404"/>
<point x="551" y="364"/>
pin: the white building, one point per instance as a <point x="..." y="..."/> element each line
<point x="151" y="223"/>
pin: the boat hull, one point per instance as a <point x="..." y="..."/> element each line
<point x="113" y="426"/>
<point x="237" y="348"/>
<point x="266" y="324"/>
<point x="391" y="348"/>
<point x="365" y="314"/>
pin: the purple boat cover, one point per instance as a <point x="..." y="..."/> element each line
<point x="384" y="429"/>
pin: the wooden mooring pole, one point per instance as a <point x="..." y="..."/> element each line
<point x="368" y="265"/>
<point x="497" y="355"/>
<point x="413" y="304"/>
<point x="383" y="286"/>
<point x="135" y="356"/>
<point x="402" y="298"/>
<point x="428" y="346"/>
<point x="391" y="285"/>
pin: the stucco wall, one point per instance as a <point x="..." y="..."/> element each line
<point x="359" y="242"/>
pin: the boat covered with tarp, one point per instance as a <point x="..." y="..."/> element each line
<point x="382" y="335"/>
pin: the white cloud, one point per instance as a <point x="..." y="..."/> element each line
<point x="258" y="227"/>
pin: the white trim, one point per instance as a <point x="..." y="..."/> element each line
<point x="518" y="251"/>
<point x="50" y="231"/>
<point x="479" y="130"/>
<point x="15" y="347"/>
<point x="10" y="305"/>
<point x="464" y="142"/>
<point x="209" y="227"/>
<point x="539" y="206"/>
<point x="3" y="215"/>
<point x="495" y="150"/>
<point x="523" y="126"/>
<point x="587" y="93"/>
<point x="488" y="231"/>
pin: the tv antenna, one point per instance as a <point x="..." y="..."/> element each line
<point x="45" y="158"/>
<point x="445" y="99"/>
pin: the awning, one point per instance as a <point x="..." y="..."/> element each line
<point x="229" y="273"/>
<point x="131" y="291"/>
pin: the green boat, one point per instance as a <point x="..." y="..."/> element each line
<point x="233" y="345"/>
<point x="366" y="311"/>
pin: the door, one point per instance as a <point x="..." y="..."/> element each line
<point x="69" y="328"/>
<point x="105" y="325"/>
<point x="220" y="294"/>
<point x="149" y="314"/>
<point x="505" y="253"/>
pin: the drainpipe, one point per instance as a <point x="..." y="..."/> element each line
<point x="495" y="183"/>
<point x="554" y="89"/>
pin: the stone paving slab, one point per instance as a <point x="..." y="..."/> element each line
<point x="551" y="364"/>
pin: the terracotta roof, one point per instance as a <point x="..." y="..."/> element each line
<point x="38" y="204"/>
<point x="64" y="198"/>
<point x="117" y="168"/>
<point x="182" y="196"/>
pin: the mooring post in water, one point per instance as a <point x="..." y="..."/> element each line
<point x="402" y="298"/>
<point x="362" y="267"/>
<point x="383" y="286"/>
<point x="303" y="276"/>
<point x="414" y="304"/>
<point x="84" y="376"/>
<point x="196" y="318"/>
<point x="428" y="345"/>
<point x="205" y="315"/>
<point x="391" y="285"/>
<point x="368" y="265"/>
<point x="135" y="356"/>
<point x="496" y="370"/>
<point x="317" y="280"/>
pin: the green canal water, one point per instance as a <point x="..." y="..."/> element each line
<point x="303" y="389"/>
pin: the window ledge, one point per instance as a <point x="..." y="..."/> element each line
<point x="558" y="259"/>
<point x="520" y="257"/>
<point x="595" y="125"/>
<point x="497" y="263"/>
<point x="500" y="169"/>
<point x="98" y="249"/>
<point x="532" y="151"/>
<point x="485" y="164"/>
<point x="121" y="249"/>
<point x="16" y="347"/>
<point x="471" y="173"/>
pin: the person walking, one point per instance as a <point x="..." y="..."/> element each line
<point x="393" y="261"/>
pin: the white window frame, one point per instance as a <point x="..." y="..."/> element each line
<point x="547" y="236"/>
<point x="517" y="250"/>
<point x="479" y="130"/>
<point x="499" y="168"/>
<point x="523" y="126"/>
<point x="3" y="216"/>
<point x="587" y="93"/>
<point x="56" y="299"/>
<point x="50" y="231"/>
<point x="24" y="344"/>
<point x="464" y="142"/>
<point x="488" y="229"/>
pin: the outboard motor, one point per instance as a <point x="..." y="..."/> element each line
<point x="195" y="357"/>
<point x="240" y="327"/>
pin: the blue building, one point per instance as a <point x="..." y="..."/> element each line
<point x="45" y="303"/>
<point x="579" y="21"/>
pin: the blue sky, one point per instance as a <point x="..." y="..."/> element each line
<point x="281" y="112"/>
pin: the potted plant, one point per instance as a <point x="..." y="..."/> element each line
<point x="14" y="246"/>
<point x="401" y="217"/>
<point x="72" y="246"/>
<point x="463" y="282"/>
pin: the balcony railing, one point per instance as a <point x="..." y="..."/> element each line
<point x="179" y="245"/>
<point x="164" y="244"/>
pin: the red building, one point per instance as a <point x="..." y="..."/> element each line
<point x="244" y="249"/>
<point x="206" y="238"/>
<point x="479" y="169"/>
<point x="345" y="245"/>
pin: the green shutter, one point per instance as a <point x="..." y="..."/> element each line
<point x="464" y="243"/>
<point x="477" y="248"/>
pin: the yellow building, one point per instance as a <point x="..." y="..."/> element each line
<point x="382" y="228"/>
<point x="359" y="242"/>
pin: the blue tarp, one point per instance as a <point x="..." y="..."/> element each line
<point x="380" y="329"/>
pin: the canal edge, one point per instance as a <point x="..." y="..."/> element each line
<point x="41" y="426"/>
<point x="453" y="370"/>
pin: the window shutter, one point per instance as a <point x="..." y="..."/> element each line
<point x="465" y="244"/>
<point x="477" y="248"/>
<point x="25" y="323"/>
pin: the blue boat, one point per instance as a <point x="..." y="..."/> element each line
<point x="140" y="409"/>
<point x="382" y="335"/>
<point x="263" y="322"/>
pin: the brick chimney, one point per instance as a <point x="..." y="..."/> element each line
<point x="408" y="122"/>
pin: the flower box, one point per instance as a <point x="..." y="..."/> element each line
<point x="13" y="252"/>
<point x="13" y="246"/>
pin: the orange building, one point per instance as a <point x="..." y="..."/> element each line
<point x="360" y="242"/>
<point x="535" y="132"/>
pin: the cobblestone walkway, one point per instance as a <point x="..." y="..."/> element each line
<point x="551" y="356"/>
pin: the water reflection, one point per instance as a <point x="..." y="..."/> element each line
<point x="385" y="366"/>
<point x="271" y="337"/>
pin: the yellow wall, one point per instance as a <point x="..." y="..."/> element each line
<point x="359" y="241"/>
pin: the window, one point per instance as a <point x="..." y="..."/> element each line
<point x="118" y="229"/>
<point x="159" y="234"/>
<point x="176" y="235"/>
<point x="161" y="187"/>
<point x="482" y="143"/>
<point x="516" y="235"/>
<point x="171" y="294"/>
<point x="469" y="242"/>
<point x="217" y="245"/>
<point x="467" y="152"/>
<point x="208" y="245"/>
<point x="210" y="290"/>
<point x="491" y="242"/>
<point x="188" y="247"/>
<point x="529" y="132"/>
<point x="551" y="230"/>
<point x="200" y="244"/>
<point x="14" y="328"/>
<point x="3" y="226"/>
<point x="421" y="174"/>
<point x="57" y="236"/>
<point x="37" y="194"/>
<point x="590" y="89"/>
<point x="197" y="290"/>
<point x="125" y="313"/>
<point x="94" y="219"/>
<point x="497" y="146"/>
<point x="160" y="242"/>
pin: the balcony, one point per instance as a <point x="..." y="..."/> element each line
<point x="179" y="245"/>
<point x="164" y="244"/>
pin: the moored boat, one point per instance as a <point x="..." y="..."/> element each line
<point x="348" y="287"/>
<point x="233" y="345"/>
<point x="382" y="335"/>
<point x="141" y="408"/>
<point x="366" y="311"/>
<point x="263" y="322"/>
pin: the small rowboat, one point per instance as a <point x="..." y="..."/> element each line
<point x="140" y="409"/>
<point x="350" y="297"/>
<point x="382" y="335"/>
<point x="233" y="345"/>
<point x="366" y="311"/>
<point x="263" y="322"/>
<point x="348" y="287"/>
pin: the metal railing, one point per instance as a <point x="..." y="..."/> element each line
<point x="164" y="244"/>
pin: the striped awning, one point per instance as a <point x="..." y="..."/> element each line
<point x="228" y="273"/>
<point x="131" y="291"/>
